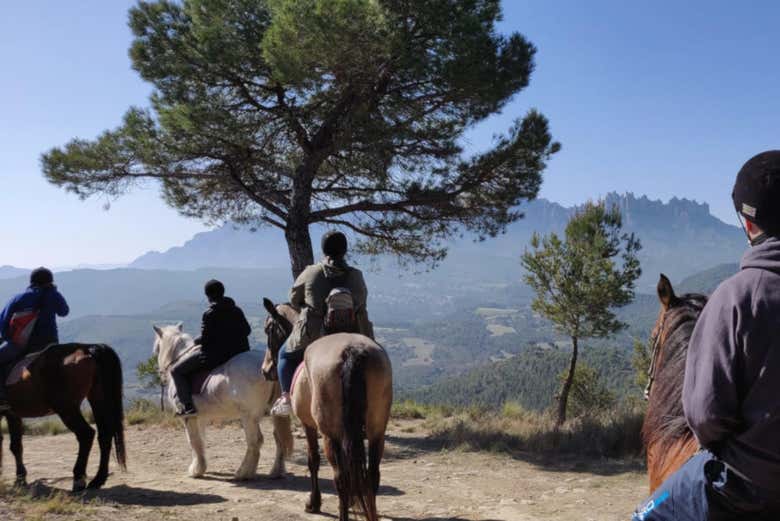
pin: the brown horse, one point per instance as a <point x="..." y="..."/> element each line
<point x="343" y="390"/>
<point x="56" y="381"/>
<point x="668" y="440"/>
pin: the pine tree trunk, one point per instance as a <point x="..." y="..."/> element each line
<point x="297" y="225"/>
<point x="300" y="247"/>
<point x="563" y="399"/>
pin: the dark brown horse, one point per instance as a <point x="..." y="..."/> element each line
<point x="668" y="440"/>
<point x="343" y="390"/>
<point x="56" y="382"/>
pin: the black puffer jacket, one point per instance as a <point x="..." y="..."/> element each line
<point x="224" y="332"/>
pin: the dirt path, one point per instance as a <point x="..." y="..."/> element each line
<point x="419" y="482"/>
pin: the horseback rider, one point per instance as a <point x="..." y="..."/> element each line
<point x="224" y="334"/>
<point x="41" y="302"/>
<point x="317" y="292"/>
<point x="732" y="376"/>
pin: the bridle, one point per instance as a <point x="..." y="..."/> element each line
<point x="654" y="356"/>
<point x="164" y="370"/>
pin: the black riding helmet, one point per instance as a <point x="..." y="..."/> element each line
<point x="756" y="192"/>
<point x="334" y="244"/>
<point x="41" y="277"/>
<point x="215" y="290"/>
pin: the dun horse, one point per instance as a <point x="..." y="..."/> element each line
<point x="236" y="389"/>
<point x="668" y="440"/>
<point x="56" y="381"/>
<point x="344" y="390"/>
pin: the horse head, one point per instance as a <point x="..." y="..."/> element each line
<point x="169" y="343"/>
<point x="278" y="326"/>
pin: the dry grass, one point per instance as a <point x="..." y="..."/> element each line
<point x="36" y="504"/>
<point x="515" y="430"/>
<point x="146" y="412"/>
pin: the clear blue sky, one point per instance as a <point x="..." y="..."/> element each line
<point x="658" y="98"/>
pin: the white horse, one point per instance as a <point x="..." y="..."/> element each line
<point x="235" y="390"/>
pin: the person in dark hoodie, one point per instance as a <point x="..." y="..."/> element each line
<point x="42" y="296"/>
<point x="310" y="294"/>
<point x="731" y="392"/>
<point x="224" y="334"/>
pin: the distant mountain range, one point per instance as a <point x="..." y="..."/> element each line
<point x="9" y="272"/>
<point x="680" y="238"/>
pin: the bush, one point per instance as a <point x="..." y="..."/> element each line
<point x="589" y="395"/>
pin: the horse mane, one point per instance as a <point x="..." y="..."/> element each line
<point x="665" y="423"/>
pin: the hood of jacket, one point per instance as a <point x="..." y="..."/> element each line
<point x="765" y="256"/>
<point x="334" y="268"/>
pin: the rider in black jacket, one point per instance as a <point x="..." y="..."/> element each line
<point x="224" y="334"/>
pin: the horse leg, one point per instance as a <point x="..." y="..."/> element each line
<point x="376" y="449"/>
<point x="195" y="432"/>
<point x="333" y="453"/>
<point x="105" y="435"/>
<point x="15" y="430"/>
<point x="313" y="452"/>
<point x="73" y="420"/>
<point x="283" y="439"/>
<point x="254" y="440"/>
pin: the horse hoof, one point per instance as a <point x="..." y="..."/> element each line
<point x="96" y="484"/>
<point x="312" y="509"/>
<point x="79" y="485"/>
<point x="20" y="481"/>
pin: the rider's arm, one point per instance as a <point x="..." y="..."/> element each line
<point x="360" y="296"/>
<point x="298" y="290"/>
<point x="710" y="395"/>
<point x="203" y="339"/>
<point x="60" y="305"/>
<point x="5" y="317"/>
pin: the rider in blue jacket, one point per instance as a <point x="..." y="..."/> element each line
<point x="42" y="295"/>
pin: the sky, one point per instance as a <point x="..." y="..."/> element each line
<point x="658" y="98"/>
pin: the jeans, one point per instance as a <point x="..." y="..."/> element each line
<point x="181" y="372"/>
<point x="9" y="354"/>
<point x="287" y="364"/>
<point x="705" y="489"/>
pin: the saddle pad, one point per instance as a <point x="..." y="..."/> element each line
<point x="295" y="377"/>
<point x="20" y="370"/>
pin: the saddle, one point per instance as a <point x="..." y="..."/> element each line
<point x="22" y="369"/>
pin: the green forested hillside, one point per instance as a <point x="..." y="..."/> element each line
<point x="531" y="378"/>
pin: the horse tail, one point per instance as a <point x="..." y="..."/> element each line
<point x="351" y="452"/>
<point x="109" y="375"/>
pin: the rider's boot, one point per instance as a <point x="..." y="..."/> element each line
<point x="282" y="406"/>
<point x="186" y="411"/>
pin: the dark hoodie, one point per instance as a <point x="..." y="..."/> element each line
<point x="224" y="332"/>
<point x="731" y="394"/>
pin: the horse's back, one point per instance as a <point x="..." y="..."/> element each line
<point x="238" y="383"/>
<point x="31" y="384"/>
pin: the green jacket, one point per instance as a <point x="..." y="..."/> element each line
<point x="309" y="293"/>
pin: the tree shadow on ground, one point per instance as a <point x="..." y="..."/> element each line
<point x="567" y="457"/>
<point x="300" y="483"/>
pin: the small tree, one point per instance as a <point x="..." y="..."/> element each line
<point x="641" y="362"/>
<point x="579" y="280"/>
<point x="149" y="375"/>
<point x="589" y="395"/>
<point x="347" y="113"/>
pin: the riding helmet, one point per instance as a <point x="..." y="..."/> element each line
<point x="334" y="244"/>
<point x="756" y="192"/>
<point x="214" y="290"/>
<point x="41" y="277"/>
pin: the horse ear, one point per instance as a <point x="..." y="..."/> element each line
<point x="666" y="292"/>
<point x="157" y="331"/>
<point x="180" y="326"/>
<point x="269" y="306"/>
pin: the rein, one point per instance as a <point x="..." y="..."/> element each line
<point x="167" y="367"/>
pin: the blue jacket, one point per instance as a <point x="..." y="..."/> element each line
<point x="50" y="302"/>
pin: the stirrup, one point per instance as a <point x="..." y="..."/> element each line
<point x="282" y="407"/>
